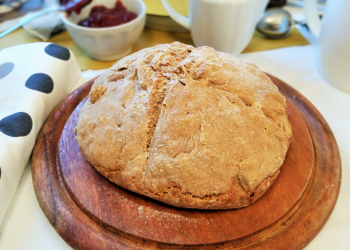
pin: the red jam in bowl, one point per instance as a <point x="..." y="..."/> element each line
<point x="101" y="17"/>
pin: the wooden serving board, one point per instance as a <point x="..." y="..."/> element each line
<point x="89" y="212"/>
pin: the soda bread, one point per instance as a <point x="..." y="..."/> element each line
<point x="190" y="127"/>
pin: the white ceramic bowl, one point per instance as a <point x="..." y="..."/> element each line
<point x="107" y="44"/>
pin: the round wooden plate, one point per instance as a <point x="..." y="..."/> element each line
<point x="89" y="212"/>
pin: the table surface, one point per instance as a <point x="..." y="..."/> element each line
<point x="148" y="38"/>
<point x="26" y="227"/>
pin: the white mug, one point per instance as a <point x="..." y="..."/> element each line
<point x="333" y="34"/>
<point x="225" y="25"/>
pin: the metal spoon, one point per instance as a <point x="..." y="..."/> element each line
<point x="74" y="5"/>
<point x="276" y="23"/>
<point x="27" y="20"/>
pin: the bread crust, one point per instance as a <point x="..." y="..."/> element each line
<point x="190" y="127"/>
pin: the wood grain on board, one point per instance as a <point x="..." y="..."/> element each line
<point x="89" y="212"/>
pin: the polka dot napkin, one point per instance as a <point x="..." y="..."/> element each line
<point x="34" y="78"/>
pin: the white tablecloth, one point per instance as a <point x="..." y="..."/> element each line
<point x="26" y="227"/>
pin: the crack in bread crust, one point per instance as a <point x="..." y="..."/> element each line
<point x="191" y="127"/>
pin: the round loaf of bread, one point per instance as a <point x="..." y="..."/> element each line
<point x="190" y="127"/>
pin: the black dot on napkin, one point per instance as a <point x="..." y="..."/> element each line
<point x="40" y="82"/>
<point x="0" y="172"/>
<point x="6" y="69"/>
<point x="58" y="52"/>
<point x="15" y="125"/>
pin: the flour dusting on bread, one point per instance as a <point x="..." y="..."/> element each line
<point x="191" y="127"/>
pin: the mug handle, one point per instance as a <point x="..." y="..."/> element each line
<point x="312" y="18"/>
<point x="184" y="21"/>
